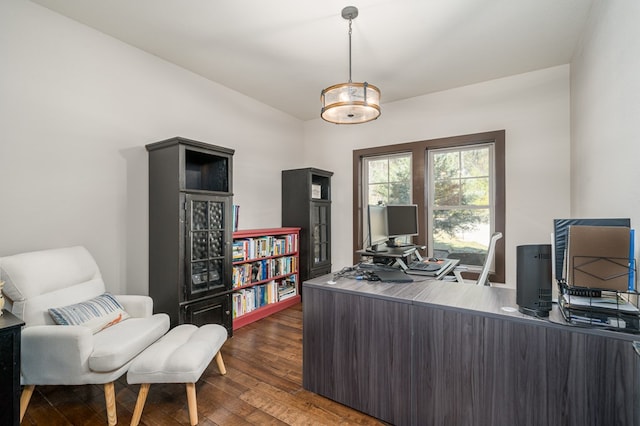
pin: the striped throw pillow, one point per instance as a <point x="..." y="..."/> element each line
<point x="97" y="313"/>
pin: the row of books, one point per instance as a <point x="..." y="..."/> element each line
<point x="250" y="299"/>
<point x="261" y="270"/>
<point x="253" y="248"/>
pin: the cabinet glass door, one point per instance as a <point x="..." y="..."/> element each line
<point x="206" y="243"/>
<point x="320" y="214"/>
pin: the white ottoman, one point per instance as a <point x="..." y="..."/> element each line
<point x="180" y="356"/>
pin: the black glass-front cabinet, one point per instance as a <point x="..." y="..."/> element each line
<point x="306" y="203"/>
<point x="190" y="204"/>
<point x="206" y="255"/>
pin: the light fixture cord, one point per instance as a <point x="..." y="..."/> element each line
<point x="350" y="20"/>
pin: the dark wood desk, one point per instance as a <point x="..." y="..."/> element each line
<point x="10" y="329"/>
<point x="433" y="352"/>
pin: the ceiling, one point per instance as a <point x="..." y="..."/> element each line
<point x="284" y="52"/>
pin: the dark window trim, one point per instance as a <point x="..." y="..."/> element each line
<point x="418" y="151"/>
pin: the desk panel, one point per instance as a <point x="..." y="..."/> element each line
<point x="465" y="361"/>
<point x="355" y="351"/>
<point x="471" y="369"/>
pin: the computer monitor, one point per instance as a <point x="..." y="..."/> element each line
<point x="378" y="233"/>
<point x="402" y="220"/>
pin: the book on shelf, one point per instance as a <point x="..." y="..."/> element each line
<point x="241" y="275"/>
<point x="288" y="295"/>
<point x="259" y="271"/>
<point x="235" y="217"/>
<point x="287" y="287"/>
<point x="238" y="251"/>
<point x="316" y="191"/>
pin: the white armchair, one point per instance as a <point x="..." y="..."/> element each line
<point x="54" y="354"/>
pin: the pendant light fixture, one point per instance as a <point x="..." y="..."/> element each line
<point x="350" y="103"/>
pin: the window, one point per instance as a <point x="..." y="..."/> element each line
<point x="387" y="180"/>
<point x="458" y="184"/>
<point x="459" y="207"/>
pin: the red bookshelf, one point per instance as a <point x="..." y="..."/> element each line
<point x="265" y="274"/>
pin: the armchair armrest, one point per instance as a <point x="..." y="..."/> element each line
<point x="55" y="354"/>
<point x="137" y="306"/>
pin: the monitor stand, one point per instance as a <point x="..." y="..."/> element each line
<point x="391" y="242"/>
<point x="376" y="248"/>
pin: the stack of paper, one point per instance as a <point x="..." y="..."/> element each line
<point x="598" y="257"/>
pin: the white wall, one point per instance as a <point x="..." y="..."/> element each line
<point x="605" y="114"/>
<point x="533" y="108"/>
<point x="77" y="108"/>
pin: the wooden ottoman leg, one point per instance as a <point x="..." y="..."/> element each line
<point x="193" y="403"/>
<point x="25" y="397"/>
<point x="110" y="399"/>
<point x="142" y="398"/>
<point x="220" y="363"/>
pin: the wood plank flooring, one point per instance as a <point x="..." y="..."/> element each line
<point x="263" y="386"/>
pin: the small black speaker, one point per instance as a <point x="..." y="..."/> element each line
<point x="533" y="283"/>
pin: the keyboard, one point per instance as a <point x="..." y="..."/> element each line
<point x="426" y="267"/>
<point x="397" y="276"/>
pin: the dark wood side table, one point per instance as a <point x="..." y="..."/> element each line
<point x="10" y="328"/>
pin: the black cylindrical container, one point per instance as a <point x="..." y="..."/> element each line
<point x="533" y="291"/>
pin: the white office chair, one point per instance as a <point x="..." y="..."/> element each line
<point x="483" y="278"/>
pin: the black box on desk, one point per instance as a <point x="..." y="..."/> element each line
<point x="533" y="279"/>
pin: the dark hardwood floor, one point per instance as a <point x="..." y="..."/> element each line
<point x="263" y="386"/>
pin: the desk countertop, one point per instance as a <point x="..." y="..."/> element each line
<point x="493" y="301"/>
